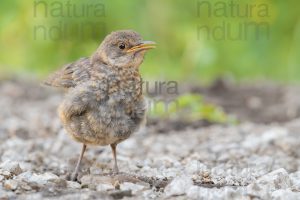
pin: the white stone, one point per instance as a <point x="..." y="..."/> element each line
<point x="200" y="193"/>
<point x="1" y="178"/>
<point x="40" y="179"/>
<point x="11" y="166"/>
<point x="6" y="195"/>
<point x="73" y="185"/>
<point x="283" y="194"/>
<point x="295" y="178"/>
<point x="26" y="166"/>
<point x="10" y="184"/>
<point x="135" y="188"/>
<point x="149" y="194"/>
<point x="5" y="174"/>
<point x="278" y="179"/>
<point x="265" y="185"/>
<point x="103" y="187"/>
<point x="196" y="192"/>
<point x="195" y="167"/>
<point x="170" y="172"/>
<point x="178" y="186"/>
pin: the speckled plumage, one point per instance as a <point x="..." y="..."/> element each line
<point x="104" y="104"/>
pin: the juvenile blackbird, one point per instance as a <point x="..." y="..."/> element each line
<point x="104" y="103"/>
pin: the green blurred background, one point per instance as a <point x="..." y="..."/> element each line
<point x="38" y="37"/>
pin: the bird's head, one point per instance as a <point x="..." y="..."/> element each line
<point x="123" y="49"/>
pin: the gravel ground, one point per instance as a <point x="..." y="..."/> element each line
<point x="246" y="161"/>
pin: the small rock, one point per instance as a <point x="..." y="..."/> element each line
<point x="178" y="186"/>
<point x="283" y="194"/>
<point x="257" y="190"/>
<point x="40" y="179"/>
<point x="119" y="194"/>
<point x="196" y="193"/>
<point x="265" y="185"/>
<point x="86" y="180"/>
<point x="26" y="166"/>
<point x="7" y="195"/>
<point x="97" y="168"/>
<point x="116" y="184"/>
<point x="27" y="186"/>
<point x="11" y="185"/>
<point x="170" y="172"/>
<point x="5" y="174"/>
<point x="295" y="178"/>
<point x="73" y="185"/>
<point x="195" y="167"/>
<point x="131" y="186"/>
<point x="59" y="182"/>
<point x="139" y="164"/>
<point x="278" y="179"/>
<point x="12" y="167"/>
<point x="94" y="182"/>
<point x="150" y="194"/>
<point x="104" y="187"/>
<point x="1" y="178"/>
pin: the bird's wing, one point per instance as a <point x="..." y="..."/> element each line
<point x="78" y="100"/>
<point x="71" y="74"/>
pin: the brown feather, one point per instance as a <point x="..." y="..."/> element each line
<point x="70" y="75"/>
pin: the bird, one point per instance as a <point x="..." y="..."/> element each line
<point x="104" y="102"/>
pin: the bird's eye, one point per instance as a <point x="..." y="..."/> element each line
<point x="122" y="46"/>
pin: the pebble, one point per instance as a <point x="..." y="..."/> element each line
<point x="104" y="187"/>
<point x="283" y="194"/>
<point x="265" y="185"/>
<point x="40" y="179"/>
<point x="135" y="188"/>
<point x="1" y="178"/>
<point x="178" y="186"/>
<point x="6" y="195"/>
<point x="277" y="179"/>
<point x="11" y="184"/>
<point x="73" y="185"/>
<point x="295" y="178"/>
<point x="4" y="173"/>
<point x="195" y="167"/>
<point x="12" y="167"/>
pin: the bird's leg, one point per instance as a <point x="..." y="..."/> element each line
<point x="75" y="174"/>
<point x="114" y="151"/>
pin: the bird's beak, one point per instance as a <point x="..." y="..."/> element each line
<point x="145" y="45"/>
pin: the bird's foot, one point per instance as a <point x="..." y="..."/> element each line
<point x="74" y="176"/>
<point x="115" y="171"/>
